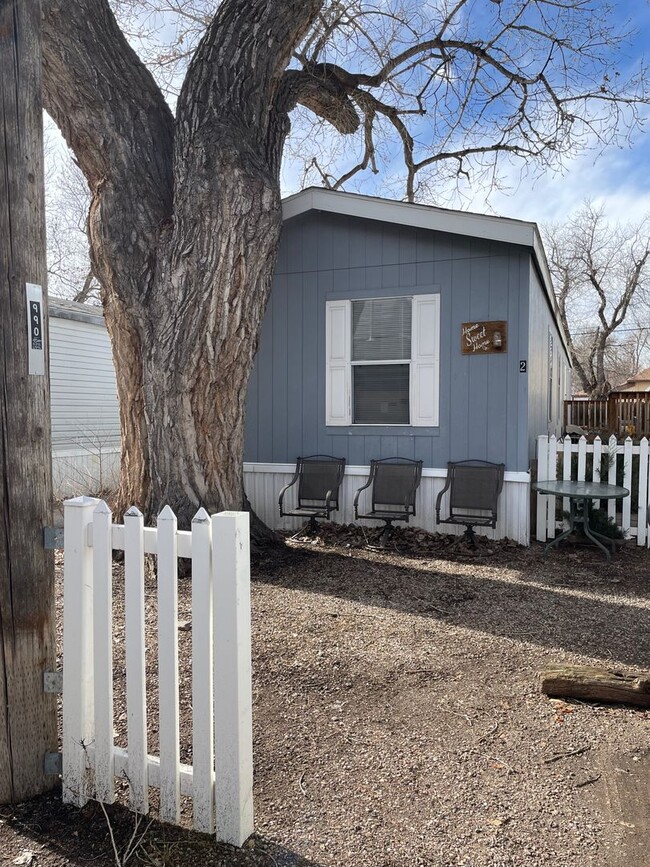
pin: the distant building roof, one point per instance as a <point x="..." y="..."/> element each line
<point x="639" y="382"/>
<point x="60" y="308"/>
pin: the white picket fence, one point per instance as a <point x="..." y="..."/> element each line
<point x="549" y="450"/>
<point x="220" y="780"/>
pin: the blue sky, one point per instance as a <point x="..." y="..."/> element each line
<point x="618" y="179"/>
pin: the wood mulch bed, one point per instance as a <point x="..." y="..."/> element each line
<point x="398" y="718"/>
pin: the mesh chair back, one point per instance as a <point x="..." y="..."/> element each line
<point x="395" y="484"/>
<point x="475" y="485"/>
<point x="318" y="475"/>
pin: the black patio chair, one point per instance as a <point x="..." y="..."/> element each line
<point x="319" y="478"/>
<point x="474" y="488"/>
<point x="394" y="483"/>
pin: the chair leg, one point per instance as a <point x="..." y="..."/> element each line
<point x="470" y="535"/>
<point x="313" y="526"/>
<point x="385" y="534"/>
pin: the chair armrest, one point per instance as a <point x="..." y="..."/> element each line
<point x="328" y="497"/>
<point x="285" y="489"/>
<point x="356" y="496"/>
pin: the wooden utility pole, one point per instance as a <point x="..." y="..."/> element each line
<point x="27" y="714"/>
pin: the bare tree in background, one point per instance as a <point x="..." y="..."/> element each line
<point x="67" y="200"/>
<point x="602" y="280"/>
<point x="185" y="216"/>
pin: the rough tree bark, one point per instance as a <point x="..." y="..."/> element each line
<point x="27" y="648"/>
<point x="166" y="275"/>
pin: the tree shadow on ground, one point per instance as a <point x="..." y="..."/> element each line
<point x="493" y="597"/>
<point x="57" y="833"/>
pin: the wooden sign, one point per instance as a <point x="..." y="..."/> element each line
<point x="480" y="338"/>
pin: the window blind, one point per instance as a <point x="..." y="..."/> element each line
<point x="381" y="329"/>
<point x="381" y="394"/>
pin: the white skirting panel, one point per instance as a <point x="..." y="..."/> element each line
<point x="77" y="471"/>
<point x="263" y="483"/>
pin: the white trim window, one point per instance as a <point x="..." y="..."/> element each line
<point x="383" y="361"/>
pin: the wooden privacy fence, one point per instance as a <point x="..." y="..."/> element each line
<point x="220" y="778"/>
<point x="621" y="413"/>
<point x="611" y="462"/>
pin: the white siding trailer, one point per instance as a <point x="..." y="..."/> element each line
<point x="85" y="412"/>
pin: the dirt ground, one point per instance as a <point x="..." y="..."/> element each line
<point x="398" y="719"/>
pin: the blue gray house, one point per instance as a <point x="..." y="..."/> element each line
<point x="400" y="329"/>
<point x="392" y="329"/>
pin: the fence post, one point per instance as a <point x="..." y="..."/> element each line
<point x="232" y="677"/>
<point x="78" y="706"/>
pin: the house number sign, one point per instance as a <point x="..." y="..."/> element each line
<point x="480" y="338"/>
<point x="35" y="328"/>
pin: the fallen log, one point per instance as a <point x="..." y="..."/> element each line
<point x="597" y="684"/>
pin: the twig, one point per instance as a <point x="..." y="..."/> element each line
<point x="509" y="768"/>
<point x="302" y="788"/>
<point x="110" y="831"/>
<point x="586" y="782"/>
<point x="577" y="752"/>
<point x="491" y="732"/>
<point x="456" y="713"/>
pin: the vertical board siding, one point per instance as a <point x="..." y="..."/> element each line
<point x="623" y="458"/>
<point x="539" y="322"/>
<point x="325" y="257"/>
<point x="221" y="693"/>
<point x="263" y="483"/>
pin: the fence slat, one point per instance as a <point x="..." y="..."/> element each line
<point x="103" y="647"/>
<point x="78" y="724"/>
<point x="232" y="676"/>
<point x="627" y="483"/>
<point x="595" y="469"/>
<point x="168" y="724"/>
<point x="202" y="682"/>
<point x="642" y="508"/>
<point x="611" y="474"/>
<point x="552" y="474"/>
<point x="136" y="695"/>
<point x="567" y="448"/>
<point x="542" y="499"/>
<point x="582" y="458"/>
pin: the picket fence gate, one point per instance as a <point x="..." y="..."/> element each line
<point x="220" y="779"/>
<point x="636" y="466"/>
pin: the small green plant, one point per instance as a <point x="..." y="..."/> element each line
<point x="599" y="522"/>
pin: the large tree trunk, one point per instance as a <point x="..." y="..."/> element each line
<point x="203" y="339"/>
<point x="184" y="229"/>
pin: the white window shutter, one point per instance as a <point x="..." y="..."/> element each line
<point x="337" y="374"/>
<point x="425" y="361"/>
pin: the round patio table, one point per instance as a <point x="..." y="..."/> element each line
<point x="582" y="492"/>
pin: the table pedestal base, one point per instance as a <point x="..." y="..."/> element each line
<point x="576" y="518"/>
